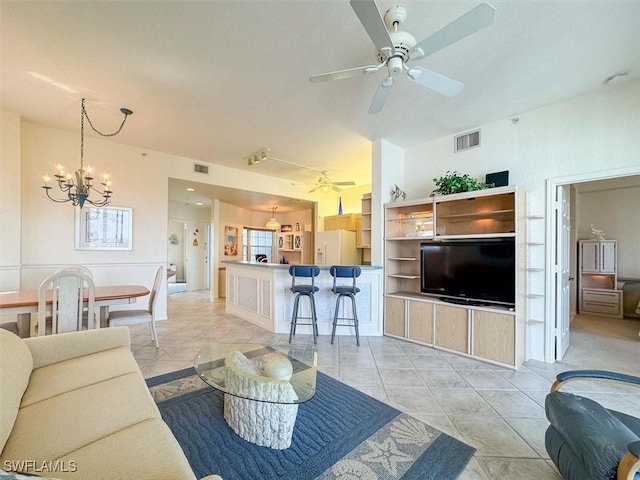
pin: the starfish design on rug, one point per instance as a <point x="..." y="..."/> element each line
<point x="387" y="455"/>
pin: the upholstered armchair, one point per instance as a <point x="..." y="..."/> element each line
<point x="585" y="440"/>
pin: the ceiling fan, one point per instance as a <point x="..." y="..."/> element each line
<point x="324" y="184"/>
<point x="396" y="48"/>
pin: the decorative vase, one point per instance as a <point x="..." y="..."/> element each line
<point x="339" y="205"/>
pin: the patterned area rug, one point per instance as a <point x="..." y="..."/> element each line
<point x="340" y="433"/>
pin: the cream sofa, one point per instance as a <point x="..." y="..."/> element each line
<point x="75" y="405"/>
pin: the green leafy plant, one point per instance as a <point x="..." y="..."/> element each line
<point x="455" y="182"/>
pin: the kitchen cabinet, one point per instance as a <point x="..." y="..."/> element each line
<point x="598" y="279"/>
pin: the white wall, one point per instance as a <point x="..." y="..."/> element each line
<point x="194" y="255"/>
<point x="10" y="202"/>
<point x="595" y="132"/>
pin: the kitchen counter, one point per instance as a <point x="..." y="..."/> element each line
<point x="260" y="293"/>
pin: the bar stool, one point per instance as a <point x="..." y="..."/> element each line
<point x="345" y="291"/>
<point x="304" y="290"/>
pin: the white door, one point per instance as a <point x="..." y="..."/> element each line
<point x="563" y="228"/>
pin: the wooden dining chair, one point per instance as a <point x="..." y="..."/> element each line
<point x="75" y="268"/>
<point x="71" y="293"/>
<point x="133" y="317"/>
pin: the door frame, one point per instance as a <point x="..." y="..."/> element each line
<point x="550" y="285"/>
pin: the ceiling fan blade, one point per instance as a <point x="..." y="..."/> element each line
<point x="336" y="189"/>
<point x="345" y="183"/>
<point x="434" y="81"/>
<point x="480" y="17"/>
<point x="340" y="74"/>
<point x="315" y="188"/>
<point x="381" y="95"/>
<point x="369" y="16"/>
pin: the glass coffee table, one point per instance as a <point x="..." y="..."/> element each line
<point x="263" y="386"/>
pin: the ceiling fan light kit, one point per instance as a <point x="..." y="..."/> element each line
<point x="324" y="184"/>
<point x="395" y="48"/>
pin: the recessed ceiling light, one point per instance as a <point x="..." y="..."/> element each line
<point x="617" y="78"/>
<point x="191" y="189"/>
<point x="199" y="203"/>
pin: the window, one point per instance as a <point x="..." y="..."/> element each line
<point x="256" y="242"/>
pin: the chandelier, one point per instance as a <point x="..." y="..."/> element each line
<point x="78" y="186"/>
<point x="273" y="224"/>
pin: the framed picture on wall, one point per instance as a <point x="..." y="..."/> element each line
<point x="106" y="228"/>
<point x="230" y="241"/>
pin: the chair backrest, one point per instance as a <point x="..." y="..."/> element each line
<point x="303" y="271"/>
<point x="75" y="268"/>
<point x="345" y="271"/>
<point x="69" y="292"/>
<point x="153" y="296"/>
<point x="261" y="258"/>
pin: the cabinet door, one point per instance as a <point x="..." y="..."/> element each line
<point x="420" y="321"/>
<point x="452" y="328"/>
<point x="297" y="242"/>
<point x="394" y="316"/>
<point x="589" y="257"/>
<point x="607" y="257"/>
<point x="332" y="223"/>
<point x="494" y="336"/>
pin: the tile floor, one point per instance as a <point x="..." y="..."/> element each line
<point x="498" y="411"/>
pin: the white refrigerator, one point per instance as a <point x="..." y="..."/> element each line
<point x="336" y="247"/>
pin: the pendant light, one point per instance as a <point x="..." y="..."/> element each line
<point x="273" y="224"/>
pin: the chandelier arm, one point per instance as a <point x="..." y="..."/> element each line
<point x="57" y="200"/>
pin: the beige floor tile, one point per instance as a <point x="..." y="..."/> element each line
<point x="360" y="376"/>
<point x="512" y="404"/>
<point x="413" y="401"/>
<point x="486" y="380"/>
<point x="520" y="468"/>
<point x="532" y="430"/>
<point x="462" y="402"/>
<point x="473" y="471"/>
<point x="492" y="437"/>
<point x="435" y="362"/>
<point x="440" y="379"/>
<point x="393" y="361"/>
<point x="396" y="377"/>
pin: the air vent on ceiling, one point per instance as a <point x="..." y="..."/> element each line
<point x="468" y="140"/>
<point x="199" y="168"/>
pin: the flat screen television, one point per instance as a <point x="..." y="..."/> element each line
<point x="478" y="272"/>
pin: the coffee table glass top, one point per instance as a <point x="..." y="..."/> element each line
<point x="284" y="374"/>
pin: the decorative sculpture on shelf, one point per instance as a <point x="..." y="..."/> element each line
<point x="397" y="194"/>
<point x="599" y="234"/>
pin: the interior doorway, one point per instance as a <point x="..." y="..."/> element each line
<point x="559" y="248"/>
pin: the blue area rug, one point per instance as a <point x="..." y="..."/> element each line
<point x="339" y="433"/>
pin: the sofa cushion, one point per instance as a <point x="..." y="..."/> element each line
<point x="15" y="369"/>
<point x="61" y="377"/>
<point x="62" y="424"/>
<point x="135" y="458"/>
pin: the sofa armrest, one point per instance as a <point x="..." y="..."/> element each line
<point x="64" y="346"/>
<point x="630" y="463"/>
<point x="571" y="375"/>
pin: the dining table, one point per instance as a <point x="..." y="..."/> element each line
<point x="24" y="303"/>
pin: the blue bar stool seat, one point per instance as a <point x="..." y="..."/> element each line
<point x="305" y="272"/>
<point x="344" y="291"/>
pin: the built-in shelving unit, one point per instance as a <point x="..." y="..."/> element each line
<point x="598" y="283"/>
<point x="363" y="237"/>
<point x="295" y="247"/>
<point x="494" y="334"/>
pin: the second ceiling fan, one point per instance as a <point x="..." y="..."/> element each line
<point x="396" y="48"/>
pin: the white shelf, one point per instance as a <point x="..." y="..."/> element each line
<point x="404" y="259"/>
<point x="405" y="275"/>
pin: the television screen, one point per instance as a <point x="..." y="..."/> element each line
<point x="475" y="271"/>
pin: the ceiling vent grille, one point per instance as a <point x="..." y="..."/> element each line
<point x="466" y="141"/>
<point x="199" y="168"/>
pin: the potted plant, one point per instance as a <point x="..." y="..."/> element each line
<point x="455" y="182"/>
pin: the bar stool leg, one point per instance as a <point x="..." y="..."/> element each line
<point x="294" y="317"/>
<point x="335" y="318"/>
<point x="355" y="318"/>
<point x="314" y="319"/>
